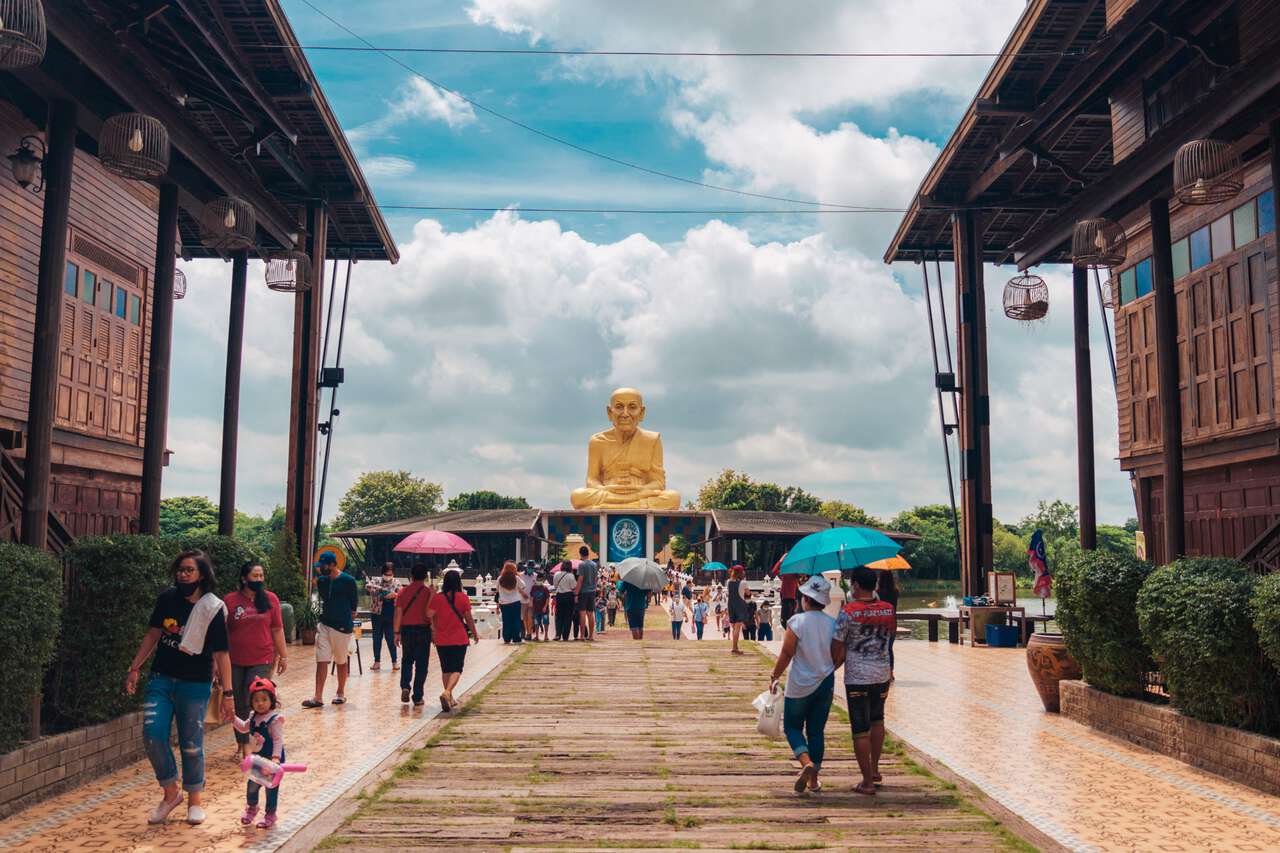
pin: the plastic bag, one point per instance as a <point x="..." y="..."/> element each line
<point x="769" y="706"/>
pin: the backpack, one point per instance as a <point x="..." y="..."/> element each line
<point x="539" y="596"/>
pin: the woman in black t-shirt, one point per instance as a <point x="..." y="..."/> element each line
<point x="178" y="687"/>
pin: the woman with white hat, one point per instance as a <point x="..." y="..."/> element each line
<point x="806" y="649"/>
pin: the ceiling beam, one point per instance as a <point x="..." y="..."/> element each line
<point x="239" y="66"/>
<point x="274" y="146"/>
<point x="1252" y="92"/>
<point x="1068" y="38"/>
<point x="993" y="173"/>
<point x="101" y="56"/>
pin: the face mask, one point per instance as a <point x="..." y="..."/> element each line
<point x="185" y="589"/>
<point x="257" y="586"/>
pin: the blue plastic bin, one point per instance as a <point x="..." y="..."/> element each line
<point x="1003" y="636"/>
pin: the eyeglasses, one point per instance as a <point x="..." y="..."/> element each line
<point x="187" y="570"/>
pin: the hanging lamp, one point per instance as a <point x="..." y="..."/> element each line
<point x="22" y="33"/>
<point x="134" y="146"/>
<point x="1207" y="171"/>
<point x="1026" y="298"/>
<point x="289" y="272"/>
<point x="1098" y="243"/>
<point x="227" y="224"/>
<point x="179" y="283"/>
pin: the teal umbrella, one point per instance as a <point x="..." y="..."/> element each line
<point x="838" y="549"/>
<point x="714" y="567"/>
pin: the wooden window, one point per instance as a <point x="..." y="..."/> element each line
<point x="1181" y="258"/>
<point x="1244" y="223"/>
<point x="1266" y="212"/>
<point x="135" y="310"/>
<point x="1127" y="292"/>
<point x="1200" y="254"/>
<point x="1220" y="236"/>
<point x="122" y="303"/>
<point x="89" y="287"/>
<point x="103" y="300"/>
<point x="69" y="279"/>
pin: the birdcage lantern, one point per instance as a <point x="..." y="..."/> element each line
<point x="227" y="224"/>
<point x="22" y="33"/>
<point x="179" y="283"/>
<point x="289" y="272"/>
<point x="1207" y="171"/>
<point x="134" y="146"/>
<point x="1098" y="243"/>
<point x="1026" y="298"/>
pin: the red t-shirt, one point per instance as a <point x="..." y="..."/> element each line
<point x="248" y="631"/>
<point x="790" y="585"/>
<point x="448" y="629"/>
<point x="416" y="614"/>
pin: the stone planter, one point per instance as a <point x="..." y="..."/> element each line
<point x="1049" y="662"/>
<point x="309" y="638"/>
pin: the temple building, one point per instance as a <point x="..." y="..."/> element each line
<point x="1137" y="140"/>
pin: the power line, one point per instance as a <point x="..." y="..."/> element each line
<point x="565" y="142"/>
<point x="748" y="54"/>
<point x="640" y="211"/>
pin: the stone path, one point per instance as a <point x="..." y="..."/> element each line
<point x="340" y="745"/>
<point x="651" y="745"/>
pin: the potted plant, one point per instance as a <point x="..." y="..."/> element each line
<point x="308" y="617"/>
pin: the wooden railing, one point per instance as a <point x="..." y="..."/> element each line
<point x="1263" y="554"/>
<point x="12" y="484"/>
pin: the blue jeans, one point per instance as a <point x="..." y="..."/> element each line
<point x="765" y="632"/>
<point x="675" y="630"/>
<point x="384" y="627"/>
<point x="599" y="620"/>
<point x="807" y="716"/>
<point x="512" y="624"/>
<point x="168" y="699"/>
<point x="698" y="626"/>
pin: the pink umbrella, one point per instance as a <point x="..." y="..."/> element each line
<point x="434" y="542"/>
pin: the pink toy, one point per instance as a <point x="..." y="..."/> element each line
<point x="266" y="772"/>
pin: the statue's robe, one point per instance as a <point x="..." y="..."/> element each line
<point x="634" y="462"/>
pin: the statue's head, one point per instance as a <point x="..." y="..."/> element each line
<point x="626" y="410"/>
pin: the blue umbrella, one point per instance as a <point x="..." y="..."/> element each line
<point x="838" y="549"/>
<point x="714" y="567"/>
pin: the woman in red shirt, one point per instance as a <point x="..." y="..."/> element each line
<point x="452" y="630"/>
<point x="255" y="633"/>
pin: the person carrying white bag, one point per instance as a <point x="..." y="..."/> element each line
<point x="806" y="658"/>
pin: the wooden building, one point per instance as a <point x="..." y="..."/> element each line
<point x="1157" y="118"/>
<point x="229" y="150"/>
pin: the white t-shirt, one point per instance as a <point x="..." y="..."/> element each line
<point x="676" y="609"/>
<point x="566" y="582"/>
<point x="509" y="596"/>
<point x="812" y="663"/>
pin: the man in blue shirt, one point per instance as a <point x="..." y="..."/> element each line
<point x="340" y="597"/>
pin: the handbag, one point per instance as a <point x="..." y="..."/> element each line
<point x="769" y="706"/>
<point x="449" y="600"/>
<point x="213" y="711"/>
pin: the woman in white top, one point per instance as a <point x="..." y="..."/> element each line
<point x="806" y="647"/>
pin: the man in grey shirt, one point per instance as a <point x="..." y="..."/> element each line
<point x="587" y="572"/>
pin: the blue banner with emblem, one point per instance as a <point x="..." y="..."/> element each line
<point x="626" y="537"/>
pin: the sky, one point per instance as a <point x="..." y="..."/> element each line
<point x="779" y="345"/>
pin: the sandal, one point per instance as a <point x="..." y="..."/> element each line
<point x="313" y="703"/>
<point x="161" y="812"/>
<point x="339" y="700"/>
<point x="805" y="779"/>
<point x="865" y="789"/>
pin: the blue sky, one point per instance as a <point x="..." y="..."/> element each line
<point x="777" y="345"/>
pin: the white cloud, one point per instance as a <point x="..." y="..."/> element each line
<point x="418" y="101"/>
<point x="388" y="166"/>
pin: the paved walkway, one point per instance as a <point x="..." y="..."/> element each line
<point x="619" y="744"/>
<point x="976" y="711"/>
<point x="340" y="744"/>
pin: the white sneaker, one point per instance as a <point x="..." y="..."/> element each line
<point x="195" y="815"/>
<point x="161" y="812"/>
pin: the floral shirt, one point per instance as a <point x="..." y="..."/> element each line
<point x="379" y="588"/>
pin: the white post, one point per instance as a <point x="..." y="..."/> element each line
<point x="517" y="549"/>
<point x="733" y="546"/>
<point x="544" y="547"/>
<point x="706" y="536"/>
<point x="650" y="545"/>
<point x="603" y="547"/>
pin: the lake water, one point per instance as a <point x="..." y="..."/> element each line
<point x="938" y="601"/>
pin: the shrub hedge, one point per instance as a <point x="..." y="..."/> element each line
<point x="1265" y="609"/>
<point x="1195" y="616"/>
<point x="114" y="584"/>
<point x="284" y="570"/>
<point x="30" y="616"/>
<point x="1097" y="593"/>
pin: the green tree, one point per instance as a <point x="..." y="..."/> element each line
<point x="1061" y="526"/>
<point x="736" y="490"/>
<point x="485" y="500"/>
<point x="934" y="556"/>
<point x="380" y="496"/>
<point x="189" y="514"/>
<point x="1116" y="540"/>
<point x="257" y="532"/>
<point x="1008" y="551"/>
<point x="283" y="570"/>
<point x="845" y="511"/>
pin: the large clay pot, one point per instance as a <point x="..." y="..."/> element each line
<point x="1049" y="662"/>
<point x="309" y="636"/>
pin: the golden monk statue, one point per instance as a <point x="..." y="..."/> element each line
<point x="624" y="464"/>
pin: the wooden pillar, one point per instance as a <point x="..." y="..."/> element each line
<point x="304" y="394"/>
<point x="975" y="405"/>
<point x="1084" y="411"/>
<point x="231" y="396"/>
<point x="161" y="347"/>
<point x="60" y="144"/>
<point x="1166" y="311"/>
